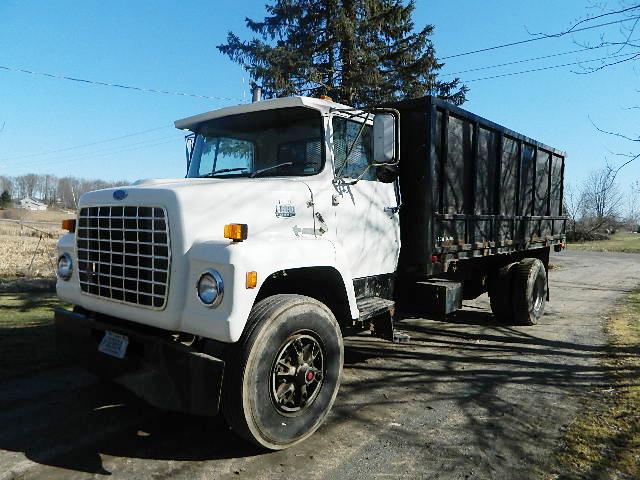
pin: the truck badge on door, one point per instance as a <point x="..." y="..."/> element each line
<point x="285" y="210"/>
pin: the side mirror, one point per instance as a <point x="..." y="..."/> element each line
<point x="386" y="137"/>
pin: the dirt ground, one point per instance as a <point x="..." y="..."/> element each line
<point x="467" y="398"/>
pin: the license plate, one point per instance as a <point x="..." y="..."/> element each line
<point x="114" y="344"/>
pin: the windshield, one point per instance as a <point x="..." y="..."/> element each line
<point x="284" y="142"/>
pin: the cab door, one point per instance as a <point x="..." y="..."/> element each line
<point x="366" y="210"/>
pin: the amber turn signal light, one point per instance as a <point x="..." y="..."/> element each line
<point x="236" y="231"/>
<point x="69" y="224"/>
<point x="252" y="279"/>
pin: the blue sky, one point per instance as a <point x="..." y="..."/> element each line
<point x="171" y="46"/>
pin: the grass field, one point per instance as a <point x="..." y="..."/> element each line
<point x="27" y="341"/>
<point x="27" y="296"/>
<point x="604" y="440"/>
<point x="52" y="214"/>
<point x="29" y="249"/>
<point x="17" y="253"/>
<point x="620" y="242"/>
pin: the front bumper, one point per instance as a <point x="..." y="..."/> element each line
<point x="163" y="372"/>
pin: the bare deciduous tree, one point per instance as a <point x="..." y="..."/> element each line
<point x="602" y="198"/>
<point x="633" y="216"/>
<point x="595" y="207"/>
<point x="52" y="190"/>
<point x="620" y="43"/>
<point x="573" y="210"/>
<point x="622" y="46"/>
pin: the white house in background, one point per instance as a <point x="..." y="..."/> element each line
<point x="31" y="204"/>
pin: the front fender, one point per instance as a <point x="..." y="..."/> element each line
<point x="233" y="260"/>
<point x="68" y="290"/>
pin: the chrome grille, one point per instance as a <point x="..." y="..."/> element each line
<point x="124" y="254"/>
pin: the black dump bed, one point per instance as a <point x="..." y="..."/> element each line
<point x="472" y="188"/>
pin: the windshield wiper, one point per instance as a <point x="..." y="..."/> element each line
<point x="258" y="172"/>
<point x="223" y="170"/>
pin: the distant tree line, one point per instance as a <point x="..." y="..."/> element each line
<point x="49" y="189"/>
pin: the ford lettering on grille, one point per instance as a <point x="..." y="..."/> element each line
<point x="124" y="254"/>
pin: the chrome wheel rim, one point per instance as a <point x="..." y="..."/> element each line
<point x="297" y="373"/>
<point x="538" y="292"/>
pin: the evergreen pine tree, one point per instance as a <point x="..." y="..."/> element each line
<point x="5" y="199"/>
<point x="359" y="52"/>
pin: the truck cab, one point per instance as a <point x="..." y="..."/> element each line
<point x="288" y="205"/>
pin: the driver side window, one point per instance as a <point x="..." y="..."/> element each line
<point x="359" y="161"/>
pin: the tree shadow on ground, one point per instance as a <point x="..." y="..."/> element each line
<point x="504" y="379"/>
<point x="508" y="381"/>
<point x="26" y="332"/>
<point x="28" y="301"/>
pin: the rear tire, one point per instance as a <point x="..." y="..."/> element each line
<point x="283" y="376"/>
<point x="501" y="293"/>
<point x="529" y="291"/>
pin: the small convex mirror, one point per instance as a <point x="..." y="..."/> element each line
<point x="189" y="143"/>
<point x="384" y="138"/>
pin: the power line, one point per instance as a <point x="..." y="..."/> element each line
<point x="630" y="55"/>
<point x="75" y="147"/>
<point x="591" y="19"/>
<point x="102" y="152"/>
<point x="515" y="62"/>
<point x="149" y="90"/>
<point x="156" y="142"/>
<point x="106" y="154"/>
<point x="536" y="39"/>
<point x="115" y="85"/>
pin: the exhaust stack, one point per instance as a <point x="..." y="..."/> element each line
<point x="256" y="93"/>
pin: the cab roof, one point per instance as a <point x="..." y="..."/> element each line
<point x="324" y="106"/>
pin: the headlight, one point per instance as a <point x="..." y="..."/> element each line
<point x="210" y="288"/>
<point x="65" y="266"/>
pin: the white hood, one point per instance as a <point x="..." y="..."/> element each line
<point x="199" y="208"/>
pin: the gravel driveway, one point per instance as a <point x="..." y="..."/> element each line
<point x="467" y="398"/>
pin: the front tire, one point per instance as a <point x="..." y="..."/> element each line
<point x="283" y="377"/>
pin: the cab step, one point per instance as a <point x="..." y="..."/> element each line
<point x="370" y="307"/>
<point x="378" y="313"/>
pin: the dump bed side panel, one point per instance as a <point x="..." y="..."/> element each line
<point x="473" y="188"/>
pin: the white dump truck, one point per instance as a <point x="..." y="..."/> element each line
<point x="299" y="221"/>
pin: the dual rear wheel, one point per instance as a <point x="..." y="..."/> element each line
<point x="518" y="292"/>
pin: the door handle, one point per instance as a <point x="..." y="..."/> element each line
<point x="392" y="210"/>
